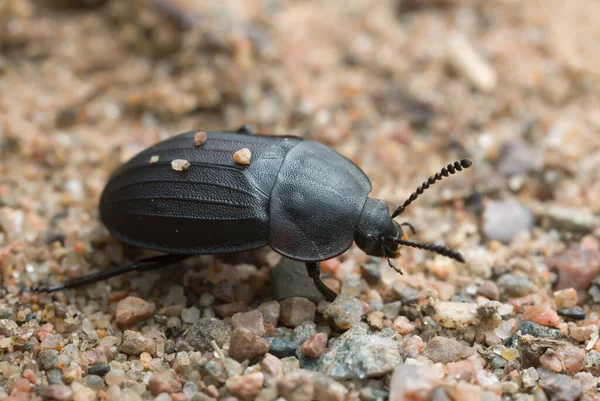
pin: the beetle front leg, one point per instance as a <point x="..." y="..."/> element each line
<point x="314" y="272"/>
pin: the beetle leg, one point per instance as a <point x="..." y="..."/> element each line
<point x="412" y="228"/>
<point x="155" y="262"/>
<point x="314" y="272"/>
<point x="245" y="129"/>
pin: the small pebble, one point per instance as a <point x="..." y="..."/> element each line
<point x="375" y="319"/>
<point x="576" y="268"/>
<point x="455" y="314"/>
<point x="296" y="386"/>
<point x="180" y="165"/>
<point x="51" y="341"/>
<point x="58" y="392"/>
<point x="345" y="311"/>
<point x="296" y="310"/>
<point x="252" y="321"/>
<point x="358" y="354"/>
<point x="561" y="387"/>
<point x="47" y="359"/>
<point x="466" y="60"/>
<point x="245" y="344"/>
<point x="446" y="350"/>
<point x="99" y="370"/>
<point x="115" y="377"/>
<point x="206" y="330"/>
<point x="270" y="311"/>
<point x="272" y="368"/>
<point x="132" y="310"/>
<point x="164" y="382"/>
<point x="290" y="279"/>
<point x="572" y="313"/>
<point x="566" y="298"/>
<point x="82" y="393"/>
<point x="206" y="300"/>
<point x="327" y="389"/>
<point x="489" y="289"/>
<point x="571" y="357"/>
<point x="245" y="387"/>
<point x="190" y="315"/>
<point x="392" y="310"/>
<point x="371" y="272"/>
<point x="199" y="138"/>
<point x="402" y="325"/>
<point x="515" y="285"/>
<point x="551" y="362"/>
<point x="315" y="345"/>
<point x="55" y="376"/>
<point x="242" y="156"/>
<point x="134" y="343"/>
<point x="408" y="381"/>
<point x="543" y="315"/>
<point x="230" y="309"/>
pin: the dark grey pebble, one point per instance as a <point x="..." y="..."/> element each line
<point x="290" y="279"/>
<point x="94" y="382"/>
<point x="571" y="313"/>
<point x="6" y="313"/>
<point x="55" y="376"/>
<point x="536" y="330"/>
<point x="373" y="394"/>
<point x="47" y="359"/>
<point x="371" y="272"/>
<point x="99" y="370"/>
<point x="170" y="347"/>
<point x="281" y="347"/>
<point x="561" y="387"/>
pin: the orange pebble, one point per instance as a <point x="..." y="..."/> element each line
<point x="330" y="265"/>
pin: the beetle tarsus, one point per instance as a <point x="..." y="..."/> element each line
<point x="393" y="266"/>
<point x="245" y="129"/>
<point x="314" y="272"/>
<point x="152" y="263"/>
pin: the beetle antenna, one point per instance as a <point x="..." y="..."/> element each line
<point x="445" y="172"/>
<point x="433" y="248"/>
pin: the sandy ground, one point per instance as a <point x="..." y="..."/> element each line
<point x="400" y="87"/>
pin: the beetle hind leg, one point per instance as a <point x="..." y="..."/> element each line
<point x="245" y="129"/>
<point x="314" y="272"/>
<point x="153" y="263"/>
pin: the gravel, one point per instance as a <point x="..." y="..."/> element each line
<point x="518" y="96"/>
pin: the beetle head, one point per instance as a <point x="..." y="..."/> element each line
<point x="379" y="235"/>
<point x="377" y="231"/>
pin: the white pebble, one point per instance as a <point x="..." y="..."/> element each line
<point x="465" y="59"/>
<point x="206" y="299"/>
<point x="180" y="164"/>
<point x="190" y="315"/>
<point x="242" y="156"/>
<point x="115" y="377"/>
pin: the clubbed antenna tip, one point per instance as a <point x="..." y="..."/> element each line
<point x="445" y="172"/>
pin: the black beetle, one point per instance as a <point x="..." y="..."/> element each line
<point x="304" y="200"/>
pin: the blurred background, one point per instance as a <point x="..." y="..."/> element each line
<point x="401" y="87"/>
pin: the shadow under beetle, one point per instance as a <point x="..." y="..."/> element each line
<point x="304" y="200"/>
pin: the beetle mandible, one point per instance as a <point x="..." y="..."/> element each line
<point x="301" y="198"/>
